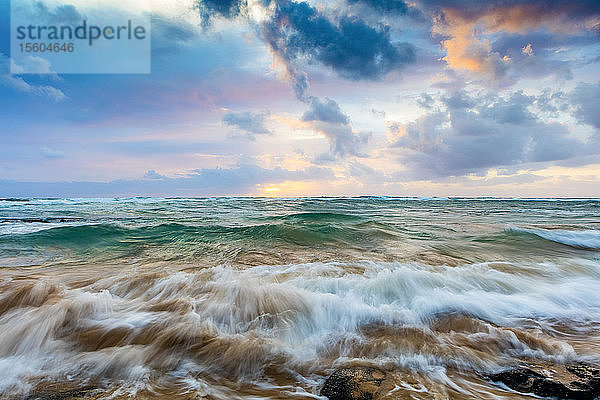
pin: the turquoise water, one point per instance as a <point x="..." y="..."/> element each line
<point x="255" y="297"/>
<point x="218" y="230"/>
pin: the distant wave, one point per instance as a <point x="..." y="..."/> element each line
<point x="318" y="217"/>
<point x="23" y="226"/>
<point x="582" y="239"/>
<point x="32" y="227"/>
<point x="309" y="229"/>
<point x="15" y="199"/>
<point x="48" y="220"/>
<point x="143" y="200"/>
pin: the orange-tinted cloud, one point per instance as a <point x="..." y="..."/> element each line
<point x="468" y="50"/>
<point x="464" y="51"/>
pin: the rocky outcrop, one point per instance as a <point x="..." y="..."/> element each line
<point x="573" y="382"/>
<point x="354" y="383"/>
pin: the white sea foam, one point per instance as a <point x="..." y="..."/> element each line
<point x="299" y="312"/>
<point x="22" y="228"/>
<point x="585" y="239"/>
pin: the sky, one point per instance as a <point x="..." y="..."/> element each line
<point x="292" y="98"/>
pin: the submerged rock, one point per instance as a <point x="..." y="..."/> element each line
<point x="62" y="391"/>
<point x="354" y="383"/>
<point x="573" y="382"/>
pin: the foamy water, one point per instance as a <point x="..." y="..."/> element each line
<point x="257" y="298"/>
<point x="585" y="239"/>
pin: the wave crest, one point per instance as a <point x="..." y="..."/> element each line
<point x="581" y="239"/>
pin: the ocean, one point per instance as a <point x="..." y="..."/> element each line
<point x="259" y="298"/>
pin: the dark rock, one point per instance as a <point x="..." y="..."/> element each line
<point x="354" y="383"/>
<point x="573" y="382"/>
<point x="58" y="391"/>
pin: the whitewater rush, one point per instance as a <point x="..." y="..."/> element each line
<point x="81" y="32"/>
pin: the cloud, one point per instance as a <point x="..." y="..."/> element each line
<point x="351" y="47"/>
<point x="326" y="111"/>
<point x="326" y="117"/>
<point x="471" y="133"/>
<point x="520" y="15"/>
<point x="18" y="83"/>
<point x="241" y="179"/>
<point x="466" y="30"/>
<point x="586" y="100"/>
<point x="542" y="42"/>
<point x="365" y="174"/>
<point x="62" y="14"/>
<point x="48" y="91"/>
<point x="378" y="113"/>
<point x="528" y="50"/>
<point x="49" y="152"/>
<point x="250" y="123"/>
<point x="553" y="102"/>
<point x="384" y="6"/>
<point x="210" y="9"/>
<point x="464" y="51"/>
<point x="152" y="174"/>
<point x="298" y="33"/>
<point x="425" y="101"/>
<point x="32" y="65"/>
<point x="170" y="35"/>
<point x="347" y="44"/>
<point x="457" y="100"/>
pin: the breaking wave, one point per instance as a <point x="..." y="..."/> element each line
<point x="287" y="323"/>
<point x="582" y="239"/>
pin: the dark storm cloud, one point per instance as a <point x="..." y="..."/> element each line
<point x="250" y="123"/>
<point x="472" y="133"/>
<point x="346" y="44"/>
<point x="384" y="6"/>
<point x="223" y="8"/>
<point x="297" y="32"/>
<point x="349" y="45"/>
